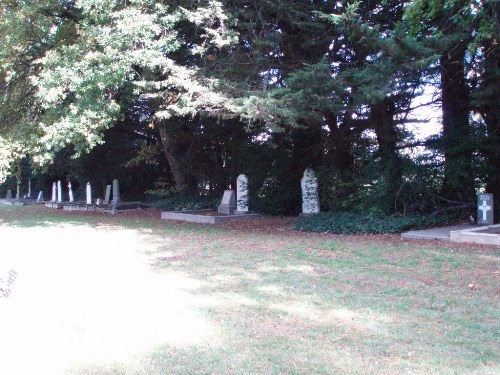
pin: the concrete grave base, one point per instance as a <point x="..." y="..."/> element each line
<point x="55" y="205"/>
<point x="202" y="217"/>
<point x="487" y="235"/>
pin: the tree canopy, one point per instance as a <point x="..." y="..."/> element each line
<point x="200" y="91"/>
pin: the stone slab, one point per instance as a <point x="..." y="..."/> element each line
<point x="442" y="233"/>
<point x="198" y="217"/>
<point x="489" y="235"/>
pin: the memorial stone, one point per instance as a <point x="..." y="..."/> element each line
<point x="485" y="209"/>
<point x="9" y="194"/>
<point x="242" y="193"/>
<point x="310" y="197"/>
<point x="116" y="192"/>
<point x="88" y="194"/>
<point x="108" y="194"/>
<point x="54" y="192"/>
<point x="228" y="204"/>
<point x="59" y="191"/>
<point x="70" y="192"/>
<point x="40" y="197"/>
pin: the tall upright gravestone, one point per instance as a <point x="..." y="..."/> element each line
<point x="310" y="197"/>
<point x="88" y="193"/>
<point x="40" y="197"/>
<point x="108" y="195"/>
<point x="485" y="209"/>
<point x="242" y="193"/>
<point x="9" y="194"/>
<point x="70" y="192"/>
<point x="54" y="192"/>
<point x="59" y="191"/>
<point x="116" y="192"/>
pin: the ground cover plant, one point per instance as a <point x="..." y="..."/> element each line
<point x="132" y="294"/>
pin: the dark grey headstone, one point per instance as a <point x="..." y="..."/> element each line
<point x="228" y="204"/>
<point x="116" y="192"/>
<point x="107" y="198"/>
<point x="485" y="209"/>
<point x="9" y="194"/>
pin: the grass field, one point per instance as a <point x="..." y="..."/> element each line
<point x="136" y="295"/>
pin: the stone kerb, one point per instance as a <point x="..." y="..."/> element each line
<point x="310" y="197"/>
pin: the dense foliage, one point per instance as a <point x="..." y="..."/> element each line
<point x="183" y="96"/>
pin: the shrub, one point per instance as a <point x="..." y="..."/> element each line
<point x="353" y="223"/>
<point x="185" y="203"/>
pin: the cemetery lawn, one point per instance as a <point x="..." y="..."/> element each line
<point x="133" y="294"/>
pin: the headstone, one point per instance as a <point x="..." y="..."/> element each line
<point x="108" y="194"/>
<point x="242" y="193"/>
<point x="98" y="201"/>
<point x="88" y="192"/>
<point x="70" y="192"/>
<point x="228" y="204"/>
<point x="40" y="197"/>
<point x="18" y="191"/>
<point x="59" y="191"/>
<point x="54" y="192"/>
<point x="116" y="192"/>
<point x="9" y="194"/>
<point x="310" y="197"/>
<point x="29" y="188"/>
<point x="485" y="209"/>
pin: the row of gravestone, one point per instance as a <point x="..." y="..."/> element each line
<point x="238" y="202"/>
<point x="57" y="193"/>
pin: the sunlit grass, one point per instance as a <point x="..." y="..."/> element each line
<point x="117" y="295"/>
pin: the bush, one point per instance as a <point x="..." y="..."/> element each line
<point x="352" y="223"/>
<point x="185" y="203"/>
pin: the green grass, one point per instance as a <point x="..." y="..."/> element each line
<point x="295" y="304"/>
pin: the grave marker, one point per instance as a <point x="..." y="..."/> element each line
<point x="70" y="192"/>
<point x="116" y="192"/>
<point x="485" y="209"/>
<point x="242" y="193"/>
<point x="108" y="194"/>
<point x="9" y="194"/>
<point x="228" y="204"/>
<point x="310" y="197"/>
<point x="59" y="191"/>
<point x="88" y="193"/>
<point x="54" y="192"/>
<point x="40" y="197"/>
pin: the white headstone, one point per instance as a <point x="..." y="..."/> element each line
<point x="485" y="209"/>
<point x="29" y="188"/>
<point x="116" y="192"/>
<point x="228" y="204"/>
<point x="108" y="194"/>
<point x="54" y="192"/>
<point x="242" y="193"/>
<point x="70" y="192"/>
<point x="98" y="201"/>
<point x="88" y="194"/>
<point x="59" y="191"/>
<point x="310" y="197"/>
<point x="40" y="197"/>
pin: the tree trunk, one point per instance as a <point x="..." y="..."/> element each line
<point x="490" y="112"/>
<point x="340" y="150"/>
<point x="458" y="182"/>
<point x="168" y="150"/>
<point x="382" y="120"/>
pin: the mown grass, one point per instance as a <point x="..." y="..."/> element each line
<point x="295" y="304"/>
